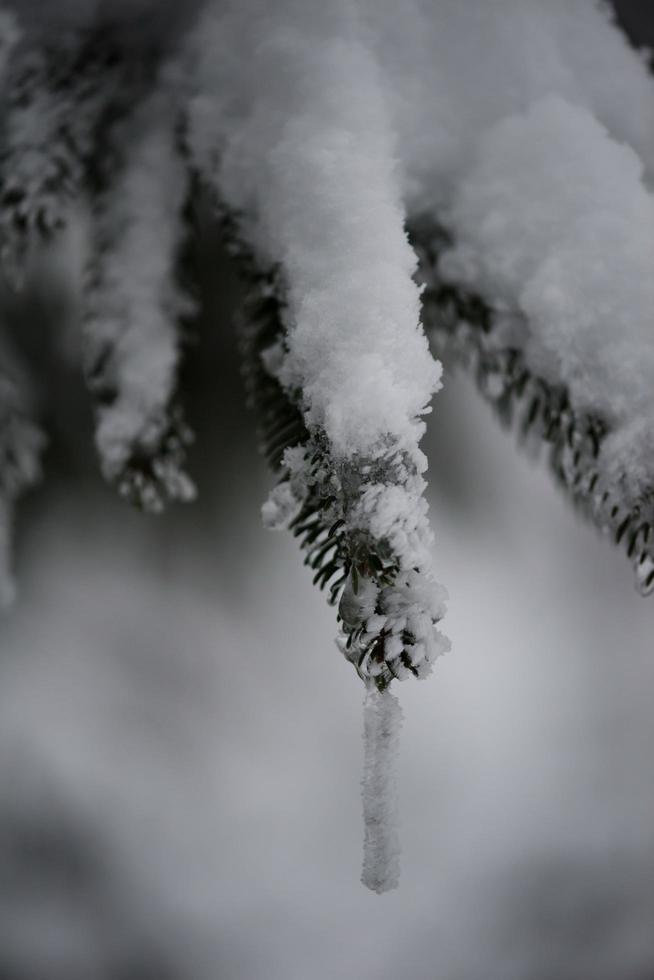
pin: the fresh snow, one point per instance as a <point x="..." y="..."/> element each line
<point x="134" y="303"/>
<point x="555" y="223"/>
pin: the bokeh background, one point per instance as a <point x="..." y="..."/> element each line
<point x="180" y="740"/>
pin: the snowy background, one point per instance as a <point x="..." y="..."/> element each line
<point x="180" y="740"/>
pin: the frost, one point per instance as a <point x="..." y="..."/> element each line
<point x="382" y="719"/>
<point x="281" y="507"/>
<point x="397" y="513"/>
<point x="398" y="635"/>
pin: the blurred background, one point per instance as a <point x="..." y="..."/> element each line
<point x="180" y="740"/>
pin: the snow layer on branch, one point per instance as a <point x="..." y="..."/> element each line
<point x="290" y="126"/>
<point x="296" y="136"/>
<point x="135" y="304"/>
<point x="554" y="221"/>
<point x="382" y="719"/>
<point x="319" y="122"/>
<point x="454" y="69"/>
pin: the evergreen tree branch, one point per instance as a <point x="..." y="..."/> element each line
<point x="387" y="611"/>
<point x="464" y="326"/>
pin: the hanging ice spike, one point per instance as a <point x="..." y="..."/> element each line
<point x="382" y="719"/>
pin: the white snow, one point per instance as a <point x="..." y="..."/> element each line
<point x="280" y="508"/>
<point x="298" y="138"/>
<point x="323" y="125"/>
<point x="554" y="221"/>
<point x="452" y="70"/>
<point x="135" y="303"/>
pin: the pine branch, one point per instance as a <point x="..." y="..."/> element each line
<point x="387" y="612"/>
<point x="463" y="325"/>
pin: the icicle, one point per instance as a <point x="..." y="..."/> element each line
<point x="382" y="718"/>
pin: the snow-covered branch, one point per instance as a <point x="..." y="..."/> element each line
<point x="134" y="310"/>
<point x="514" y="139"/>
